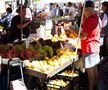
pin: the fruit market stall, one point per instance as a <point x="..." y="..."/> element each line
<point x="44" y="58"/>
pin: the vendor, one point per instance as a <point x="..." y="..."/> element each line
<point x="18" y="27"/>
<point x="90" y="43"/>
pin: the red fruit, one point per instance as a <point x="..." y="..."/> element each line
<point x="28" y="54"/>
<point x="22" y="54"/>
<point x="8" y="54"/>
<point x="14" y="52"/>
<point x="36" y="55"/>
<point x="2" y="53"/>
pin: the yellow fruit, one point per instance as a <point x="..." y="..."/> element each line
<point x="46" y="58"/>
<point x="56" y="36"/>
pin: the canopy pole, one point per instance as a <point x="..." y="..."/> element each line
<point x="21" y="22"/>
<point x="80" y="28"/>
<point x="99" y="7"/>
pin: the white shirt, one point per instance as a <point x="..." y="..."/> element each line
<point x="28" y="13"/>
<point x="104" y="20"/>
<point x="72" y="13"/>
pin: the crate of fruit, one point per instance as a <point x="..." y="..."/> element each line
<point x="57" y="83"/>
<point x="46" y="71"/>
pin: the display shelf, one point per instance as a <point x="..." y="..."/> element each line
<point x="50" y="74"/>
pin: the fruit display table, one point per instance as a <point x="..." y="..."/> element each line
<point x="44" y="58"/>
<point x="45" y="69"/>
<point x="54" y="79"/>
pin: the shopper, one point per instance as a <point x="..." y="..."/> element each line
<point x="105" y="25"/>
<point x="19" y="25"/>
<point x="71" y="12"/>
<point x="6" y="20"/>
<point x="55" y="11"/>
<point x="90" y="43"/>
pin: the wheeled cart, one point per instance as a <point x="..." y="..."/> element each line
<point x="15" y="79"/>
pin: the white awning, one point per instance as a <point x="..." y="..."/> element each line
<point x="60" y="1"/>
<point x="8" y="0"/>
<point x="2" y="6"/>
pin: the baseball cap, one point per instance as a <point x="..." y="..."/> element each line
<point x="89" y="4"/>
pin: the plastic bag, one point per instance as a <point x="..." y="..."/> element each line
<point x="17" y="85"/>
<point x="79" y="64"/>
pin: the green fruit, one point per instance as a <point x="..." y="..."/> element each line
<point x="49" y="50"/>
<point x="42" y="53"/>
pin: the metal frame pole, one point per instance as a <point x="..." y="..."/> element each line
<point x="21" y="22"/>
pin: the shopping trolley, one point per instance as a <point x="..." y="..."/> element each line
<point x="15" y="82"/>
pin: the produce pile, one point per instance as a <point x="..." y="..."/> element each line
<point x="37" y="50"/>
<point x="48" y="64"/>
<point x="57" y="83"/>
<point x="69" y="73"/>
<point x="71" y="34"/>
